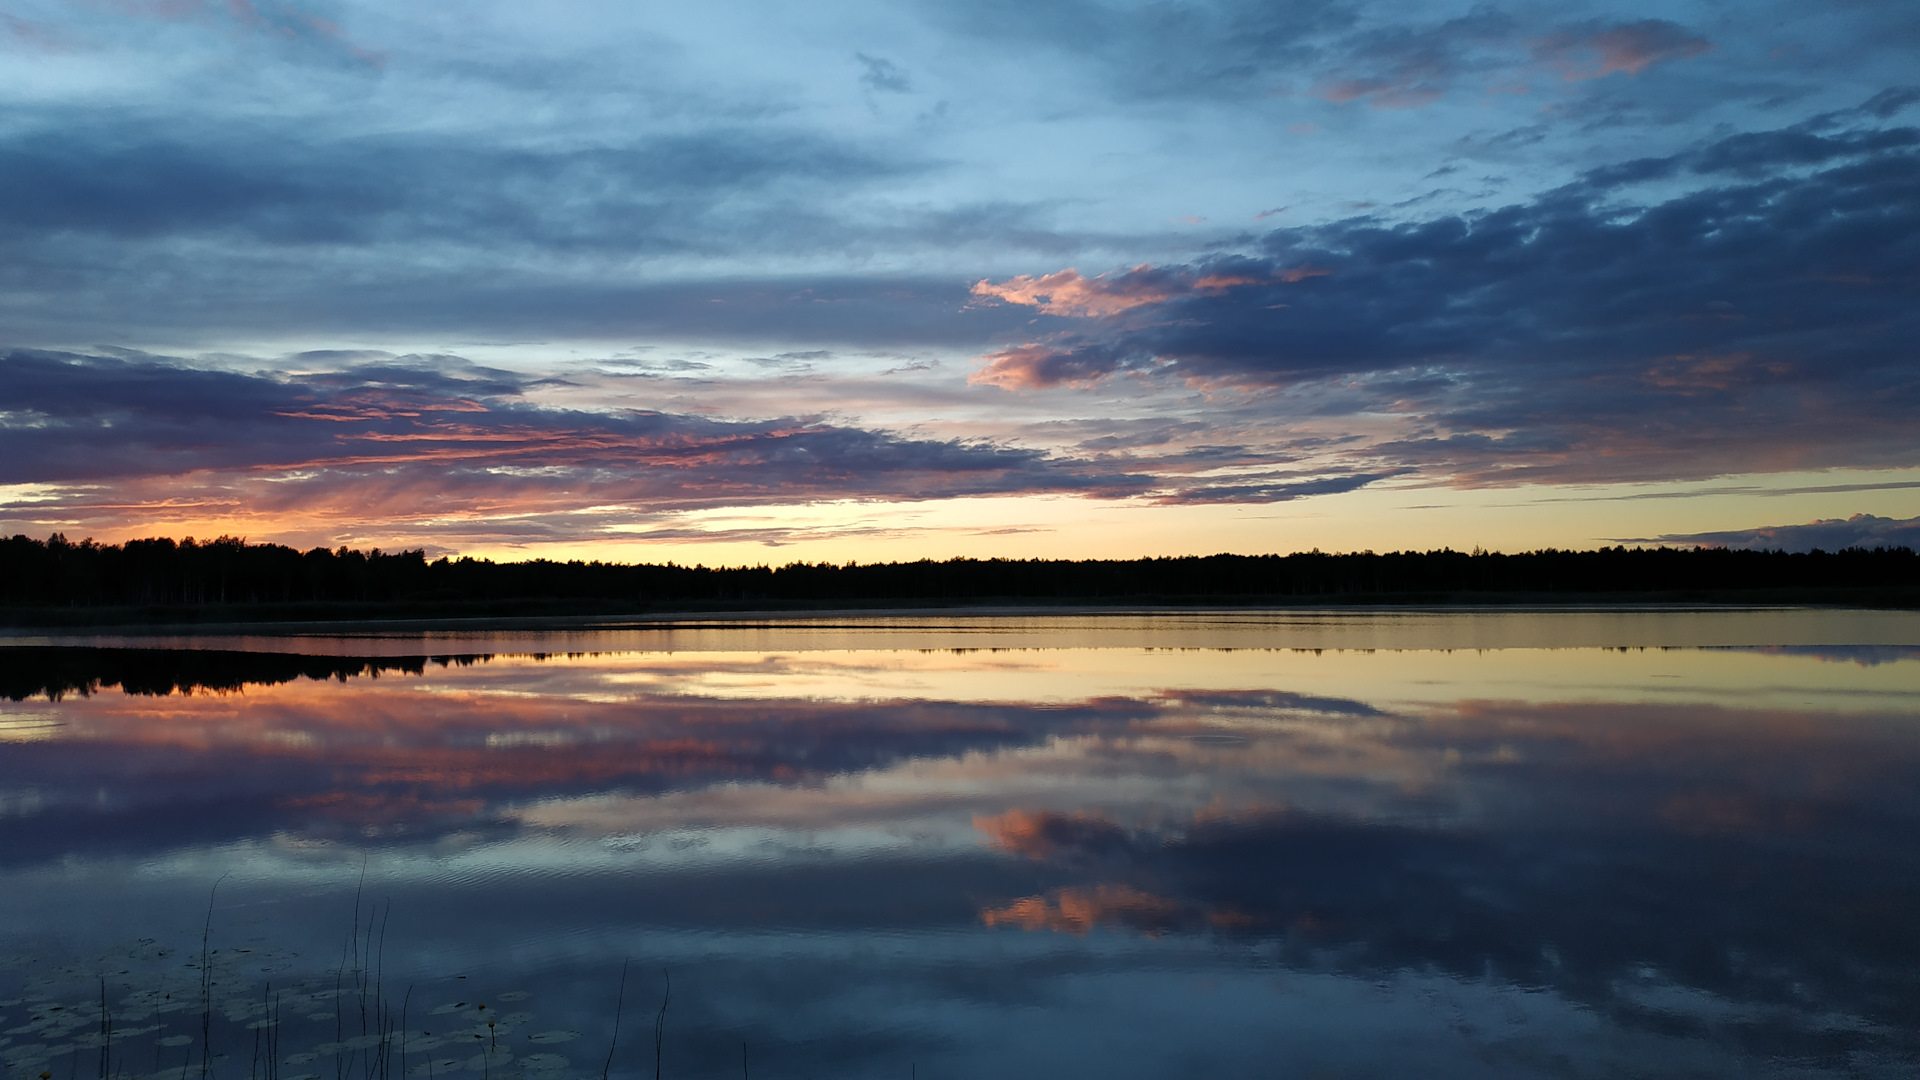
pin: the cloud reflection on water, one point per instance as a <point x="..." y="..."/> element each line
<point x="1631" y="853"/>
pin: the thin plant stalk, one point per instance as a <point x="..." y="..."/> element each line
<point x="660" y="1024"/>
<point x="106" y="1029"/>
<point x="405" y="999"/>
<point x="619" y="1002"/>
<point x="206" y="985"/>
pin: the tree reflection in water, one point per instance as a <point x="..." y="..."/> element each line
<point x="1689" y="861"/>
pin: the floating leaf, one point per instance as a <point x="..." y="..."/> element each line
<point x="553" y="1037"/>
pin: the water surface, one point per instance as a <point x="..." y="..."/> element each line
<point x="1612" y="843"/>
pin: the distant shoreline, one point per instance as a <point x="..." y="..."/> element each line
<point x="573" y="615"/>
<point x="227" y="581"/>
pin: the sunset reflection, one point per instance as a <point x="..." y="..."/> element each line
<point x="1738" y="822"/>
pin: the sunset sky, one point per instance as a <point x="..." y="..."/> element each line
<point x="735" y="283"/>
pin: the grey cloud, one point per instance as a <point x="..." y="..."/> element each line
<point x="1155" y="434"/>
<point x="1755" y="154"/>
<point x="1764" y="325"/>
<point x="210" y="231"/>
<point x="1890" y="101"/>
<point x="883" y="74"/>
<point x="439" y="449"/>
<point x="1260" y="490"/>
<point x="1409" y="67"/>
<point x="1829" y="534"/>
<point x="356" y="293"/>
<point x="390" y="425"/>
<point x="85" y="175"/>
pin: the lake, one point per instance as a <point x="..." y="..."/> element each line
<point x="1163" y="844"/>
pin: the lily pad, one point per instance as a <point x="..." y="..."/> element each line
<point x="553" y="1037"/>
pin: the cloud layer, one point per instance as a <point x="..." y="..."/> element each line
<point x="1589" y="244"/>
<point x="1587" y="335"/>
<point x="437" y="442"/>
<point x="1833" y="534"/>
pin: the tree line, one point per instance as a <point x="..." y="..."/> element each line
<point x="56" y="671"/>
<point x="231" y="573"/>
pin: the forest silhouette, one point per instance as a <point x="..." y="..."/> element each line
<point x="58" y="580"/>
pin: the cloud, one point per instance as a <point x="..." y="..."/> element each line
<point x="438" y="443"/>
<point x="1890" y="101"/>
<point x="1597" y="50"/>
<point x="1407" y="68"/>
<point x="1339" y="52"/>
<point x="1078" y="910"/>
<point x="74" y="175"/>
<point x="1068" y="292"/>
<point x="280" y="22"/>
<point x="883" y="75"/>
<point x="1757" y="325"/>
<point x="1041" y="834"/>
<point x="1598" y="852"/>
<point x="1827" y="534"/>
<point x="1037" y="366"/>
<point x="1161" y="51"/>
<point x="1270" y="702"/>
<point x="1272" y="490"/>
<point x="1464" y="869"/>
<point x="330" y="756"/>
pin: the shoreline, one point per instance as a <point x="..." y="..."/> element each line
<point x="360" y="621"/>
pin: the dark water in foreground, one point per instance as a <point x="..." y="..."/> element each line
<point x="1564" y="844"/>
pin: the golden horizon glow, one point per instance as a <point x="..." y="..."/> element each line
<point x="1377" y="518"/>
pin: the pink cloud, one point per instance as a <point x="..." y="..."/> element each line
<point x="1629" y="47"/>
<point x="1078" y="910"/>
<point x="1302" y="273"/>
<point x="1040" y="834"/>
<point x="1069" y="292"/>
<point x="313" y="456"/>
<point x="1035" y="366"/>
<point x="1411" y="80"/>
<point x="1039" y="365"/>
<point x="1401" y="91"/>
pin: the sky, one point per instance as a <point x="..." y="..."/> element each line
<point x="738" y="284"/>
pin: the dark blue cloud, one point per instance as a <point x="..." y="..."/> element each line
<point x="114" y="176"/>
<point x="1830" y="534"/>
<point x="135" y="226"/>
<point x="1763" y="323"/>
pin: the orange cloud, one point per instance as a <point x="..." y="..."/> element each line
<point x="1038" y="365"/>
<point x="1069" y="292"/>
<point x="1038" y="834"/>
<point x="1077" y="910"/>
<point x="329" y="459"/>
<point x="1034" y="366"/>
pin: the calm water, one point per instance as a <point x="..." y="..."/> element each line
<point x="1235" y="845"/>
